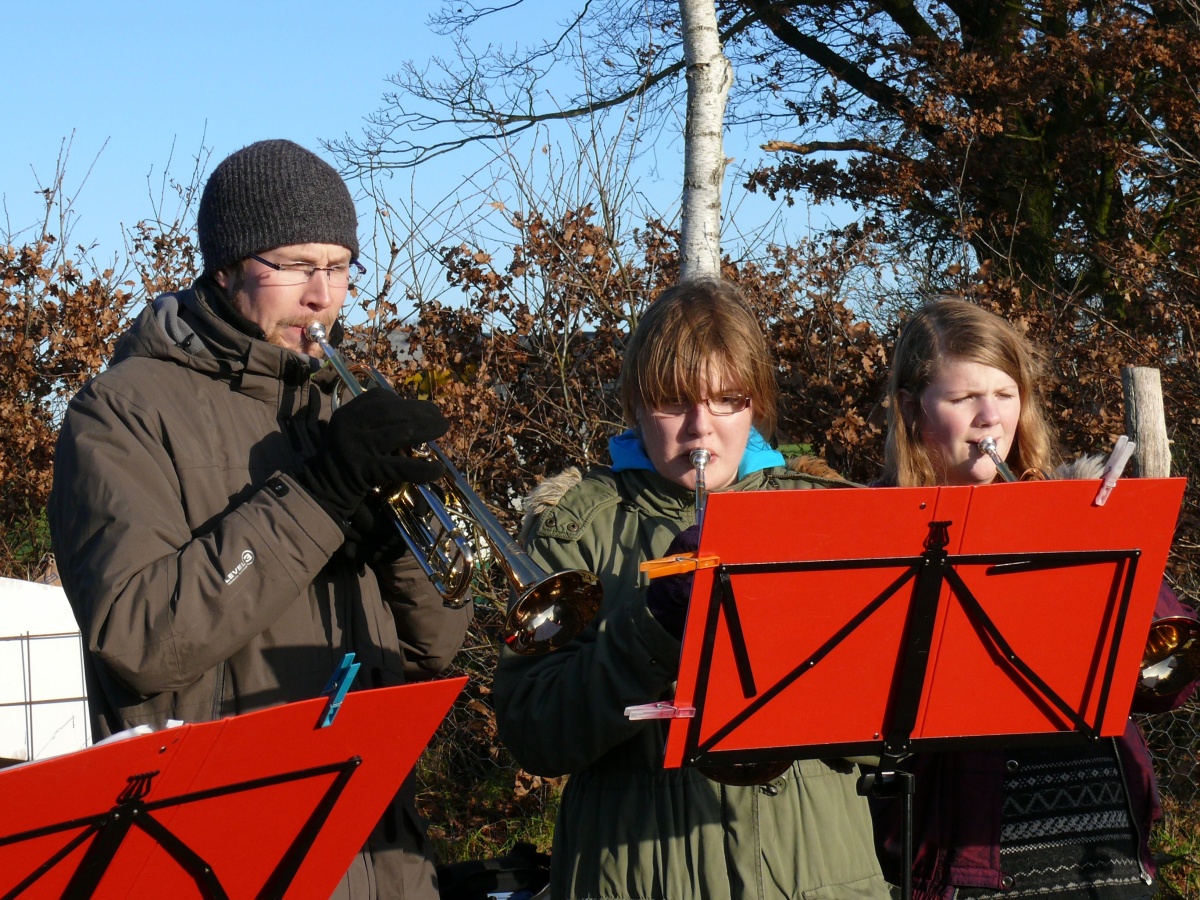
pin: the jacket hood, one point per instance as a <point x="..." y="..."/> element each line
<point x="183" y="328"/>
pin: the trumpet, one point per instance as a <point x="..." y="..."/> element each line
<point x="1172" y="656"/>
<point x="988" y="446"/>
<point x="438" y="526"/>
<point x="699" y="459"/>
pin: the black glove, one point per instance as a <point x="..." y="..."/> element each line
<point x="667" y="597"/>
<point x="361" y="450"/>
<point x="372" y="536"/>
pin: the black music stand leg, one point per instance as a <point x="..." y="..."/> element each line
<point x="907" y="790"/>
<point x="886" y="785"/>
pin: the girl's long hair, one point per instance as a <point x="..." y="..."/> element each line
<point x="951" y="327"/>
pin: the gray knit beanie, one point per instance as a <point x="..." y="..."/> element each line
<point x="270" y="194"/>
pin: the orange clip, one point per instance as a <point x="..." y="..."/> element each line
<point x="678" y="565"/>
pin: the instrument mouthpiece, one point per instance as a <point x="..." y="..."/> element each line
<point x="700" y="458"/>
<point x="988" y="445"/>
<point x="316" y="332"/>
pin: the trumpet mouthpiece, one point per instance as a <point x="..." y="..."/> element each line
<point x="700" y="458"/>
<point x="988" y="445"/>
<point x="315" y="332"/>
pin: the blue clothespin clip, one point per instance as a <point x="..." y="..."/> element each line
<point x="335" y="690"/>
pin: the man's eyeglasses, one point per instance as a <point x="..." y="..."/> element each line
<point x="721" y="405"/>
<point x="294" y="274"/>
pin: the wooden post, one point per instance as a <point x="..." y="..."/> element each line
<point x="1146" y="422"/>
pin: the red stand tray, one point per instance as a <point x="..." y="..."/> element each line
<point x="879" y="621"/>
<point x="265" y="804"/>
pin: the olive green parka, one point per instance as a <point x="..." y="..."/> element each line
<point x="628" y="828"/>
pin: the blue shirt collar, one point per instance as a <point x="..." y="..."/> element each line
<point x="628" y="452"/>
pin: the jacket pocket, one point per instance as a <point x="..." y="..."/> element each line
<point x="870" y="888"/>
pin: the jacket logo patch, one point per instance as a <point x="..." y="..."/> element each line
<point x="247" y="561"/>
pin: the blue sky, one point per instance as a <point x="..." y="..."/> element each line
<point x="148" y="76"/>
<point x="139" y="84"/>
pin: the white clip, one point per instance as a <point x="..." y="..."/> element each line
<point x="660" y="710"/>
<point x="1122" y="451"/>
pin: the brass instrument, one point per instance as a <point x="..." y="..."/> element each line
<point x="699" y="459"/>
<point x="988" y="446"/>
<point x="437" y="526"/>
<point x="1172" y="656"/>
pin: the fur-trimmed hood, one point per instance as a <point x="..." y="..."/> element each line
<point x="1081" y="468"/>
<point x="544" y="496"/>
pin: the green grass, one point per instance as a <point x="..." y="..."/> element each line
<point x="1178" y="834"/>
<point x="488" y="816"/>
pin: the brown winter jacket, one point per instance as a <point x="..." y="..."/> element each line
<point x="205" y="580"/>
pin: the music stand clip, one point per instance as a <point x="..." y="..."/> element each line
<point x="336" y="689"/>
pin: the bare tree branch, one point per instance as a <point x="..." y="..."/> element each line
<point x="834" y="63"/>
<point x="812" y="147"/>
<point x="479" y="121"/>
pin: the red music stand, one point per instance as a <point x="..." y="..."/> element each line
<point x="266" y="804"/>
<point x="886" y="621"/>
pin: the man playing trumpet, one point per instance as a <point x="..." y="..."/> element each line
<point x="210" y="513"/>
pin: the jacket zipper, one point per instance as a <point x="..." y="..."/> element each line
<point x="1137" y="833"/>
<point x="298" y="426"/>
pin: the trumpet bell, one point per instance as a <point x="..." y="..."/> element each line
<point x="552" y="612"/>
<point x="1172" y="656"/>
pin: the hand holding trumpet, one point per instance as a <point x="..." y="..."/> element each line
<point x="669" y="595"/>
<point x="361" y="450"/>
<point x="548" y="608"/>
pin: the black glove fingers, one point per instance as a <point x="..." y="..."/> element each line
<point x="360" y="523"/>
<point x="687" y="541"/>
<point x="668" y="596"/>
<point x="387" y="422"/>
<point x="359" y="450"/>
<point x="390" y="437"/>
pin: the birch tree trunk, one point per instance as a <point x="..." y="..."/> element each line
<point x="709" y="77"/>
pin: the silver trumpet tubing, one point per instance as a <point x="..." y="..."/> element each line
<point x="438" y="524"/>
<point x="700" y="458"/>
<point x="988" y="446"/>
